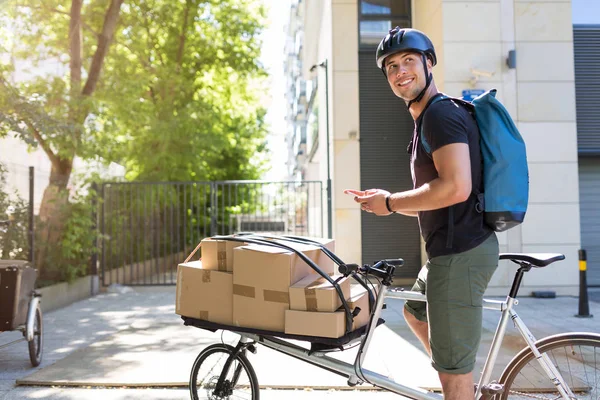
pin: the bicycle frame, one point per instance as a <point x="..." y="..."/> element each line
<point x="356" y="374"/>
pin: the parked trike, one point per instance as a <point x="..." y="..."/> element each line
<point x="20" y="304"/>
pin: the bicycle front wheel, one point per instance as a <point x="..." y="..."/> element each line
<point x="36" y="344"/>
<point x="239" y="380"/>
<point x="576" y="356"/>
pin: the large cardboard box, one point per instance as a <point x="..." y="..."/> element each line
<point x="329" y="324"/>
<point x="218" y="254"/>
<point x="315" y="293"/>
<point x="204" y="294"/>
<point x="322" y="260"/>
<point x="262" y="276"/>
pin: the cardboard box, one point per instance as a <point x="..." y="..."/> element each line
<point x="329" y="324"/>
<point x="359" y="298"/>
<point x="315" y="293"/>
<point x="204" y="294"/>
<point x="262" y="276"/>
<point x="322" y="260"/>
<point x="218" y="254"/>
<point x="319" y="324"/>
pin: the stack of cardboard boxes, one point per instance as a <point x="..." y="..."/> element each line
<point x="268" y="288"/>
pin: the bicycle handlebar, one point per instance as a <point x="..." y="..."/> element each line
<point x="383" y="269"/>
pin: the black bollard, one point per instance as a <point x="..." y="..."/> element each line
<point x="584" y="307"/>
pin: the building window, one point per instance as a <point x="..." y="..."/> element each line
<point x="377" y="17"/>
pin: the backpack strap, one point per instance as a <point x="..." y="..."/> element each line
<point x="434" y="99"/>
<point x="427" y="148"/>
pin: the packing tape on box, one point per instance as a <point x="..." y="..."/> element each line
<point x="222" y="255"/>
<point x="205" y="276"/>
<point x="311" y="299"/>
<point x="275" y="296"/>
<point x="310" y="294"/>
<point x="246" y="291"/>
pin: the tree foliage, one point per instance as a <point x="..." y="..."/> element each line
<point x="169" y="88"/>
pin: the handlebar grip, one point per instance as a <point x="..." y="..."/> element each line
<point x="397" y="262"/>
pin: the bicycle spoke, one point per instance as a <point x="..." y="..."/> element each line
<point x="236" y="383"/>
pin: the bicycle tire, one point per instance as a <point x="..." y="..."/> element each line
<point x="524" y="371"/>
<point x="36" y="343"/>
<point x="244" y="364"/>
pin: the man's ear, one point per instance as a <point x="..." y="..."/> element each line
<point x="429" y="64"/>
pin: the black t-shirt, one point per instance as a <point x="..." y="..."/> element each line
<point x="446" y="122"/>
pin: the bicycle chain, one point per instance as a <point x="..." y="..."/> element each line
<point x="533" y="396"/>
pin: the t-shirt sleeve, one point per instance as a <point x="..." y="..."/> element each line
<point x="445" y="124"/>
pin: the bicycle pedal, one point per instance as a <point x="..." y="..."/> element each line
<point x="492" y="389"/>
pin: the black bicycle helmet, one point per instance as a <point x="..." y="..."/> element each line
<point x="401" y="40"/>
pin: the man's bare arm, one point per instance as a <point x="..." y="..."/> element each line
<point x="409" y="213"/>
<point x="452" y="186"/>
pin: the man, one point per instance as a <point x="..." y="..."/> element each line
<point x="462" y="250"/>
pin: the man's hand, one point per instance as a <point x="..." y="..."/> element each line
<point x="372" y="200"/>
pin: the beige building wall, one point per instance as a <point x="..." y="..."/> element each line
<point x="336" y="41"/>
<point x="472" y="40"/>
<point x="475" y="39"/>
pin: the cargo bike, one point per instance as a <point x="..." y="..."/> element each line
<point x="20" y="308"/>
<point x="563" y="366"/>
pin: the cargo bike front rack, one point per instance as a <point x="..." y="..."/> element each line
<point x="228" y="370"/>
<point x="20" y="308"/>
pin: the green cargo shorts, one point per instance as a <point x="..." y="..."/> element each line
<point x="454" y="286"/>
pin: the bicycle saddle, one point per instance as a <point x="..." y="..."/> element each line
<point x="535" y="259"/>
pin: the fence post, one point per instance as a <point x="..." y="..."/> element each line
<point x="213" y="208"/>
<point x="30" y="210"/>
<point x="94" y="259"/>
<point x="584" y="308"/>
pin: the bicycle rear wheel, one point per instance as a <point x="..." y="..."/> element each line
<point x="575" y="355"/>
<point x="240" y="379"/>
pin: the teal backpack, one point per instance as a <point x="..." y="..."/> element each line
<point x="505" y="172"/>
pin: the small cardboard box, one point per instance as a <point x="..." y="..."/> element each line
<point x="315" y="293"/>
<point x="262" y="276"/>
<point x="218" y="254"/>
<point x="319" y="324"/>
<point x="359" y="298"/>
<point x="204" y="294"/>
<point x="329" y="324"/>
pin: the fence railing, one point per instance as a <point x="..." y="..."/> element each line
<point x="146" y="227"/>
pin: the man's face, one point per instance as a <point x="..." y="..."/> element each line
<point x="406" y="75"/>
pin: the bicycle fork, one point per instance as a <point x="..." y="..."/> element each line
<point x="224" y="388"/>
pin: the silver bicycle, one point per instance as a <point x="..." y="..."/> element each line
<point x="564" y="366"/>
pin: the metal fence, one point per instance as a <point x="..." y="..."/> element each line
<point x="146" y="229"/>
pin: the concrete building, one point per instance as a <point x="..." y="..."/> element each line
<point x="369" y="128"/>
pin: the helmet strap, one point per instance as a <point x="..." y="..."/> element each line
<point x="428" y="79"/>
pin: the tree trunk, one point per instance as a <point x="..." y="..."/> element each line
<point x="52" y="218"/>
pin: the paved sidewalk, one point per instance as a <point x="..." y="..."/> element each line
<point x="91" y="322"/>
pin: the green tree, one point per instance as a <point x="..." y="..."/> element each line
<point x="169" y="88"/>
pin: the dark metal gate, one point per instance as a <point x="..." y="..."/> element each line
<point x="146" y="229"/>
